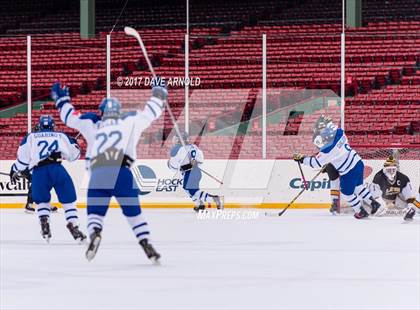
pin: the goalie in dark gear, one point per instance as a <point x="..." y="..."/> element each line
<point x="393" y="189"/>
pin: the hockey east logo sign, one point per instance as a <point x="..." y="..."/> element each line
<point x="20" y="188"/>
<point x="148" y="181"/>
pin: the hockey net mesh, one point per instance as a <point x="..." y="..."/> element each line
<point x="408" y="163"/>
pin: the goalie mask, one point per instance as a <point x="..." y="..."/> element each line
<point x="390" y="169"/>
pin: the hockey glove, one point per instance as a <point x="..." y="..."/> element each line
<point x="61" y="95"/>
<point x="15" y="176"/>
<point x="298" y="157"/>
<point x="159" y="89"/>
<point x="27" y="174"/>
<point x="189" y="166"/>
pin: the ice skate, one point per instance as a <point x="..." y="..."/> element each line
<point x="375" y="206"/>
<point x="45" y="228"/>
<point x="201" y="206"/>
<point x="29" y="208"/>
<point x="334" y="207"/>
<point x="361" y="214"/>
<point x="219" y="200"/>
<point x="150" y="251"/>
<point x="95" y="241"/>
<point x="409" y="216"/>
<point x="76" y="233"/>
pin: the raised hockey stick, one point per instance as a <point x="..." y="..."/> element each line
<point x="133" y="32"/>
<point x="275" y="214"/>
<point x="303" y="176"/>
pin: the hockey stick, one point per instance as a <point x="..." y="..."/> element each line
<point x="293" y="200"/>
<point x="133" y="32"/>
<point x="208" y="174"/>
<point x="3" y="173"/>
<point x="303" y="176"/>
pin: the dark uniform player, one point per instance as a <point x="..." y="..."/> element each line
<point x="394" y="188"/>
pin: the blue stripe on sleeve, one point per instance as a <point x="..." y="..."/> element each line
<point x="310" y="162"/>
<point x="67" y="115"/>
<point x="153" y="111"/>
<point x="22" y="163"/>
<point x="317" y="162"/>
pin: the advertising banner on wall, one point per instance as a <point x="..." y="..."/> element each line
<point x="246" y="183"/>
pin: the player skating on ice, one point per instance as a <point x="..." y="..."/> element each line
<point x="112" y="145"/>
<point x="27" y="174"/>
<point x="42" y="152"/>
<point x="334" y="149"/>
<point x="187" y="160"/>
<point x="333" y="174"/>
<point x="394" y="190"/>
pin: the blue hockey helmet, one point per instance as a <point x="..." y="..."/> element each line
<point x="328" y="133"/>
<point x="185" y="137"/>
<point x="46" y="122"/>
<point x="110" y="108"/>
<point x="325" y="136"/>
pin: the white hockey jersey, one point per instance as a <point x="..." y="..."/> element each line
<point x="86" y="124"/>
<point x="38" y="146"/>
<point x="338" y="153"/>
<point x="183" y="155"/>
<point x="122" y="134"/>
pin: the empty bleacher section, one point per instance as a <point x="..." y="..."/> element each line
<point x="303" y="54"/>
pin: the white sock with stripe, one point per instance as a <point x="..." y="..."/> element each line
<point x="94" y="220"/>
<point x="70" y="212"/>
<point x="43" y="209"/>
<point x="364" y="194"/>
<point x="202" y="196"/>
<point x="139" y="226"/>
<point x="354" y="201"/>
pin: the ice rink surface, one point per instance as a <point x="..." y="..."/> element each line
<point x="307" y="259"/>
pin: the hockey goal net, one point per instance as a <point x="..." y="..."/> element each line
<point x="407" y="156"/>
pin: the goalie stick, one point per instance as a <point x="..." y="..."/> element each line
<point x="275" y="214"/>
<point x="133" y="32"/>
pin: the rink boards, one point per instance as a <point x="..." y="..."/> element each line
<point x="247" y="183"/>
